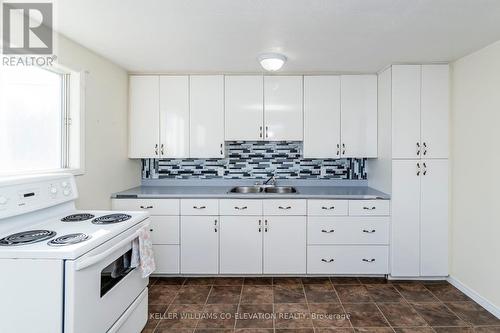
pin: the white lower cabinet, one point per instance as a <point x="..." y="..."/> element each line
<point x="166" y="259"/>
<point x="284" y="236"/>
<point x="284" y="245"/>
<point x="199" y="244"/>
<point x="419" y="244"/>
<point x="347" y="259"/>
<point x="348" y="230"/>
<point x="241" y="245"/>
<point x="164" y="229"/>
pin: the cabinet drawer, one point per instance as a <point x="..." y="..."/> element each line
<point x="284" y="207"/>
<point x="164" y="229"/>
<point x="199" y="207"/>
<point x="327" y="207"/>
<point x="153" y="206"/>
<point x="240" y="207"/>
<point x="338" y="259"/>
<point x="369" y="207"/>
<point x="348" y="230"/>
<point x="166" y="259"/>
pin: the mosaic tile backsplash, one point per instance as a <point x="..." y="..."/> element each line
<point x="256" y="159"/>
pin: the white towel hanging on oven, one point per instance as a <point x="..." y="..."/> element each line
<point x="142" y="253"/>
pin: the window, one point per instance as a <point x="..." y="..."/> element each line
<point x="36" y="127"/>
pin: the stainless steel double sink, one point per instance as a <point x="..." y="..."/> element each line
<point x="263" y="189"/>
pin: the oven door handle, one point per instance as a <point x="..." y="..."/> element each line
<point x="98" y="257"/>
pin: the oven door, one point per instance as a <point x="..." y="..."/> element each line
<point x="101" y="285"/>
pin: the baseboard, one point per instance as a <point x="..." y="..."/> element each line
<point x="494" y="310"/>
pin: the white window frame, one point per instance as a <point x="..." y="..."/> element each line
<point x="73" y="154"/>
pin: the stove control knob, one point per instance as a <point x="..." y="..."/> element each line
<point x="67" y="192"/>
<point x="64" y="184"/>
<point x="53" y="191"/>
<point x="3" y="200"/>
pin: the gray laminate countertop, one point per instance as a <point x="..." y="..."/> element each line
<point x="217" y="190"/>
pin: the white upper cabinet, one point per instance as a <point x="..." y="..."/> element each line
<point x="244" y="107"/>
<point x="283" y="116"/>
<point x="174" y="116"/>
<point x="359" y="115"/>
<point x="420" y="111"/>
<point x="406" y="111"/>
<point x="322" y="116"/>
<point x="435" y="111"/>
<point x="206" y="116"/>
<point x="144" y="116"/>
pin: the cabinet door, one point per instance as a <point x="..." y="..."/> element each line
<point x="359" y="115"/>
<point x="241" y="245"/>
<point x="321" y="116"/>
<point x="206" y="129"/>
<point x="405" y="111"/>
<point x="405" y="243"/>
<point x="199" y="244"/>
<point x="285" y="245"/>
<point x="435" y="111"/>
<point x="144" y="116"/>
<point x="244" y="107"/>
<point x="166" y="259"/>
<point x="174" y="116"/>
<point x="434" y="218"/>
<point x="283" y="116"/>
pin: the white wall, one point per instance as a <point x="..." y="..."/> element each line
<point x="475" y="180"/>
<point x="107" y="168"/>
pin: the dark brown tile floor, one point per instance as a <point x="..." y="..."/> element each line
<point x="311" y="305"/>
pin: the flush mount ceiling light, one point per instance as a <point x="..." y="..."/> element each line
<point x="272" y="61"/>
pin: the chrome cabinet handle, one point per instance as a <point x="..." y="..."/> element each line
<point x="162" y="150"/>
<point x="150" y="230"/>
<point x="328" y="208"/>
<point x="418" y="148"/>
<point x="328" y="260"/>
<point x="338" y="149"/>
<point x="369" y="260"/>
<point x="343" y="149"/>
<point x="287" y="207"/>
<point x="425" y="169"/>
<point x="199" y="207"/>
<point x="260" y="223"/>
<point x="369" y="208"/>
<point x="418" y="169"/>
<point x="215" y="225"/>
<point x="146" y="207"/>
<point x="369" y="231"/>
<point x="425" y="148"/>
<point x="260" y="132"/>
<point x="156" y="149"/>
<point x="265" y="224"/>
<point x="240" y="208"/>
<point x="327" y="231"/>
<point x="221" y="152"/>
<point x="267" y="132"/>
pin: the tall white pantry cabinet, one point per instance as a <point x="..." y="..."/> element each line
<point x="417" y="109"/>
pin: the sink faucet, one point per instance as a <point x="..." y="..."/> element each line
<point x="271" y="180"/>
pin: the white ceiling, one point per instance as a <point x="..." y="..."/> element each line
<point x="206" y="36"/>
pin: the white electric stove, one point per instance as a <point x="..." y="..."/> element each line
<point x="64" y="270"/>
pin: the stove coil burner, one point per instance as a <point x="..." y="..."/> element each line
<point x="27" y="237"/>
<point x="111" y="218"/>
<point x="77" y="217"/>
<point x="68" y="239"/>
